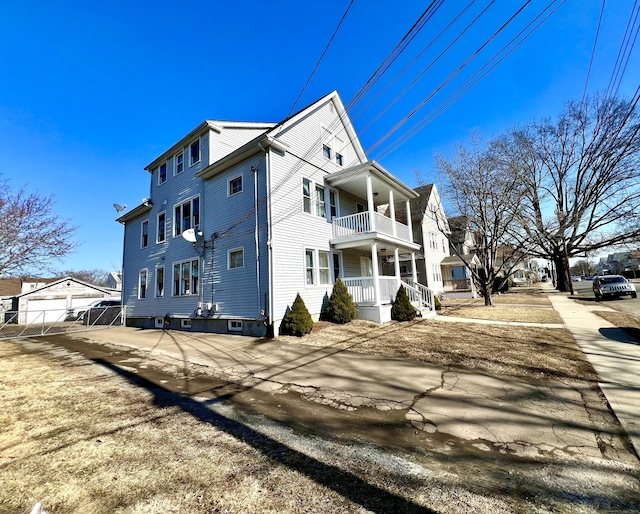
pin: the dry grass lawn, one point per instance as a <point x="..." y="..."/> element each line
<point x="503" y="313"/>
<point x="512" y="298"/>
<point x="528" y="352"/>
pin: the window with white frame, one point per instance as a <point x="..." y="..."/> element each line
<point x="234" y="325"/>
<point x="186" y="215"/>
<point x="162" y="174"/>
<point x="327" y="142"/>
<point x="159" y="281"/>
<point x="306" y="195"/>
<point x="185" y="323"/>
<point x="144" y="236"/>
<point x="404" y="269"/>
<point x="320" y="205"/>
<point x="235" y="258"/>
<point x="339" y="151"/>
<point x="235" y="186"/>
<point x="437" y="275"/>
<point x="186" y="277"/>
<point x="433" y="240"/>
<point x="179" y="164"/>
<point x="333" y="204"/>
<point x="360" y="207"/>
<point x="162" y="227"/>
<point x="142" y="284"/>
<point x="336" y="266"/>
<point x="323" y="267"/>
<point x="309" y="266"/>
<point x="194" y="152"/>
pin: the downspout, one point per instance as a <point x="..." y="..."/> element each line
<point x="255" y="207"/>
<point x="269" y="233"/>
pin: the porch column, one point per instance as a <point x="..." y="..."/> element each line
<point x="408" y="208"/>
<point x="370" y="205"/>
<point x="376" y="275"/>
<point x="392" y="209"/>
<point x="414" y="273"/>
<point x="396" y="261"/>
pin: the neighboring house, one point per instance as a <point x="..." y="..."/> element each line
<point x="114" y="281"/>
<point x="457" y="277"/>
<point x="241" y="217"/>
<point x="50" y="301"/>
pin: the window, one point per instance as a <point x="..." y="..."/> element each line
<point x="179" y="166"/>
<point x="359" y="207"/>
<point x="437" y="276"/>
<point x="323" y="267"/>
<point x="320" y="207"/>
<point x="327" y="138"/>
<point x="235" y="186"/>
<point x="162" y="224"/>
<point x="194" y="153"/>
<point x="162" y="174"/>
<point x="333" y="204"/>
<point x="185" y="323"/>
<point x="185" y="277"/>
<point x="336" y="266"/>
<point x="404" y="269"/>
<point x="159" y="281"/>
<point x="433" y="240"/>
<point x="236" y="258"/>
<point x="309" y="267"/>
<point x="306" y="195"/>
<point x="234" y="325"/>
<point x="339" y="144"/>
<point x="186" y="215"/>
<point x="142" y="284"/>
<point x="159" y="322"/>
<point x="145" y="234"/>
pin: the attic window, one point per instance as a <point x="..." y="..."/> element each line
<point x="194" y="152"/>
<point x="162" y="174"/>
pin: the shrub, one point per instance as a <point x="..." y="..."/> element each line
<point x="341" y="308"/>
<point x="402" y="310"/>
<point x="436" y="302"/>
<point x="297" y="321"/>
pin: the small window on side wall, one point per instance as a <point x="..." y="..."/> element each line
<point x="236" y="258"/>
<point x="234" y="325"/>
<point x="235" y="186"/>
<point x="162" y="174"/>
<point x="142" y="284"/>
<point x="144" y="242"/>
<point x="179" y="166"/>
<point x="194" y="153"/>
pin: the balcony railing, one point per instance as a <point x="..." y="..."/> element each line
<point x="359" y="223"/>
<point x="458" y="284"/>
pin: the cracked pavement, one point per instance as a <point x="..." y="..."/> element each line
<point x="492" y="413"/>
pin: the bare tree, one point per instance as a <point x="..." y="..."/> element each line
<point x="582" y="176"/>
<point x="96" y="277"/>
<point x="489" y="196"/>
<point x="31" y="234"/>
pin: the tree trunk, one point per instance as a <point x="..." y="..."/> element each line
<point x="562" y="273"/>
<point x="486" y="292"/>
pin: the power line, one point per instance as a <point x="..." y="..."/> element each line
<point x="593" y="52"/>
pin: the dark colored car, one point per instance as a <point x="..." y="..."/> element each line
<point x="613" y="286"/>
<point x="105" y="312"/>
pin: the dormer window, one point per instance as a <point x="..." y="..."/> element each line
<point x="332" y="147"/>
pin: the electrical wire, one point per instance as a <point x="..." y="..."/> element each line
<point x="593" y="51"/>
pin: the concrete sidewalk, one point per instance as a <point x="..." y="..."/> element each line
<point x="614" y="354"/>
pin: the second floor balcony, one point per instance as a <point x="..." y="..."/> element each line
<point x="369" y="224"/>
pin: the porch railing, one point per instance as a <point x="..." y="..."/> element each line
<point x="418" y="293"/>
<point x="361" y="222"/>
<point x="457" y="284"/>
<point x="362" y="289"/>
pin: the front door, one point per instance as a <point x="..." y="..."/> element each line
<point x="366" y="270"/>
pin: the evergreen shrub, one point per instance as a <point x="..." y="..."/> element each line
<point x="341" y="308"/>
<point x="297" y="322"/>
<point x="402" y="310"/>
<point x="436" y="302"/>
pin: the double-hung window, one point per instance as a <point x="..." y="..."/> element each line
<point x="327" y="141"/>
<point x="310" y="269"/>
<point x="179" y="164"/>
<point x="186" y="277"/>
<point x="320" y="207"/>
<point x="144" y="241"/>
<point x="142" y="284"/>
<point x="339" y="144"/>
<point x="159" y="281"/>
<point x="318" y="266"/>
<point x="333" y="204"/>
<point x="235" y="186"/>
<point x="236" y="258"/>
<point x="313" y="199"/>
<point x="162" y="225"/>
<point x="332" y="146"/>
<point x="323" y="268"/>
<point x="186" y="215"/>
<point x="162" y="174"/>
<point x="306" y="195"/>
<point x="194" y="152"/>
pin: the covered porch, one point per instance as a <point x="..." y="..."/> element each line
<point x="456" y="277"/>
<point x="381" y="231"/>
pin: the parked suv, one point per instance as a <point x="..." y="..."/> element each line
<point x="105" y="312"/>
<point x="612" y="286"/>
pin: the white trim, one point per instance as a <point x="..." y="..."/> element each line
<point x="159" y="322"/>
<point x="185" y="323"/>
<point x="166" y="172"/>
<point x="164" y="281"/>
<point x="158" y="227"/>
<point x="191" y="282"/>
<point x="338" y="254"/>
<point x="327" y="268"/>
<point x="142" y="245"/>
<point x="328" y="202"/>
<point x="229" y="252"/>
<point x="192" y="223"/>
<point x="229" y="181"/>
<point x="314" y="278"/>
<point x="175" y="163"/>
<point x="146" y="286"/>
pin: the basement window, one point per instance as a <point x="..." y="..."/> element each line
<point x="185" y="323"/>
<point x="234" y="325"/>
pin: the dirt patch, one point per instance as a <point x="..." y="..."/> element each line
<point x="527" y="352"/>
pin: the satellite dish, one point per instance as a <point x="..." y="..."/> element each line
<point x="119" y="208"/>
<point x="191" y="235"/>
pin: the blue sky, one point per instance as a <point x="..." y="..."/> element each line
<point x="91" y="92"/>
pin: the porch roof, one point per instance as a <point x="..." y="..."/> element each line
<point x="353" y="180"/>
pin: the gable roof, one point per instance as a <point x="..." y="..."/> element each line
<point x="66" y="279"/>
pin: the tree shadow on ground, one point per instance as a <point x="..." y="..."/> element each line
<point x="344" y="483"/>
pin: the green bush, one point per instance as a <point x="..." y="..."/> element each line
<point x="402" y="310"/>
<point x="341" y="308"/>
<point x="297" y="322"/>
<point x="436" y="302"/>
